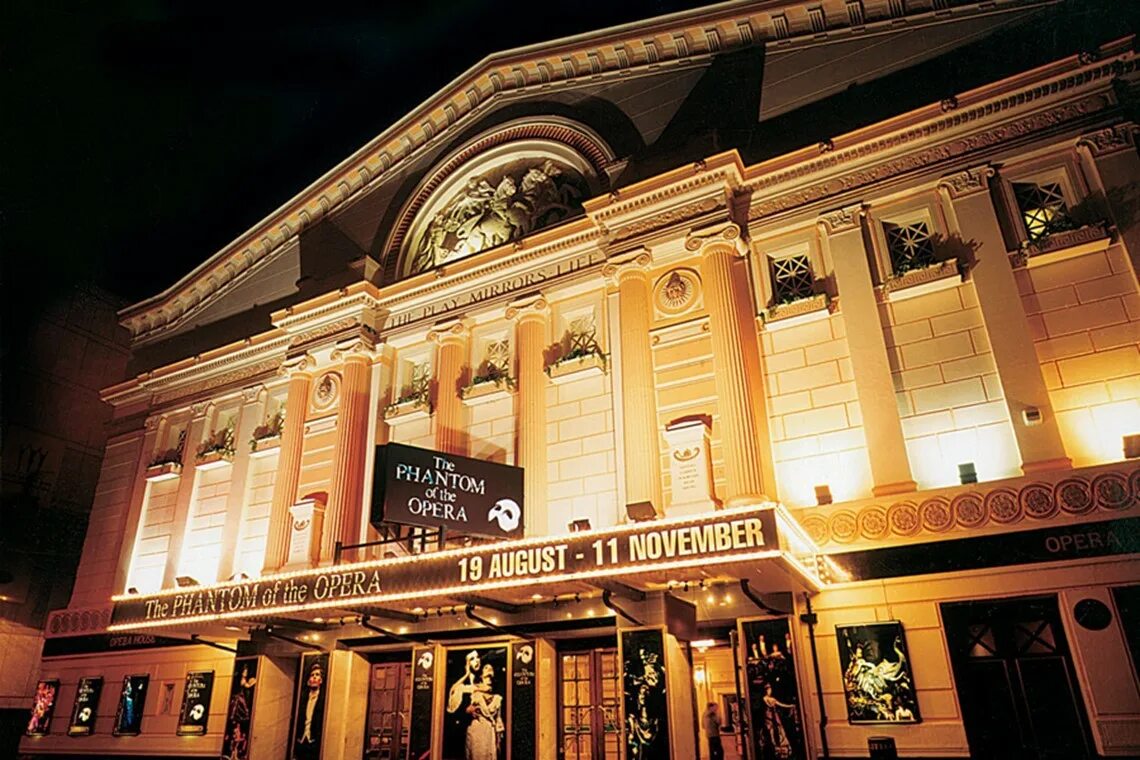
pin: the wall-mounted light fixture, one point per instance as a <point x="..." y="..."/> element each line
<point x="699" y="675"/>
<point x="823" y="494"/>
<point x="1031" y="416"/>
<point x="967" y="474"/>
<point x="641" y="511"/>
<point x="185" y="581"/>
<point x="579" y="525"/>
<point x="1132" y="446"/>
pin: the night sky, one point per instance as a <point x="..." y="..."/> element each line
<point x="140" y="138"/>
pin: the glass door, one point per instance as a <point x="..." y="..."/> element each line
<point x="589" y="690"/>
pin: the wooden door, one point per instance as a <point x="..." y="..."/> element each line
<point x="589" y="693"/>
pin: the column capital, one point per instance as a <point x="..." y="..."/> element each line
<point x="719" y="235"/>
<point x="532" y="307"/>
<point x="150" y="424"/>
<point x="201" y="409"/>
<point x="1110" y="140"/>
<point x="355" y="347"/>
<point x="251" y="394"/>
<point x="968" y="182"/>
<point x="635" y="262"/>
<point x="301" y="364"/>
<point x="449" y="332"/>
<point x="842" y="219"/>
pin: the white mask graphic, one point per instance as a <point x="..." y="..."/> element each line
<point x="426" y="659"/>
<point x="525" y="654"/>
<point x="507" y="513"/>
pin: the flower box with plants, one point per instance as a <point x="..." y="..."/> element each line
<point x="217" y="450"/>
<point x="1075" y="231"/>
<point x="490" y="383"/>
<point x="796" y="309"/>
<point x="411" y="405"/>
<point x="580" y="362"/>
<point x="165" y="465"/>
<point x="922" y="280"/>
<point x="267" y="436"/>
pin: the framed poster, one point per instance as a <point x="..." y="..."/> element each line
<point x="524" y="729"/>
<point x="196" y="703"/>
<point x="423" y="703"/>
<point x="309" y="710"/>
<point x="474" y="713"/>
<point x="128" y="718"/>
<point x="86" y="706"/>
<point x="775" y="724"/>
<point x="877" y="683"/>
<point x="239" y="709"/>
<point x="43" y="706"/>
<point x="642" y="655"/>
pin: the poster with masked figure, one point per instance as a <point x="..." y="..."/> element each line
<point x="877" y="682"/>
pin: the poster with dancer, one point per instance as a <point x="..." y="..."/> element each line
<point x="877" y="682"/>
<point x="474" y="720"/>
<point x="43" y="706"/>
<point x="775" y="723"/>
<point x="239" y="709"/>
<point x="309" y="711"/>
<point x="196" y="703"/>
<point x="128" y="718"/>
<point x="642" y="654"/>
<point x="86" y="706"/>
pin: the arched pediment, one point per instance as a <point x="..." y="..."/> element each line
<point x="498" y="189"/>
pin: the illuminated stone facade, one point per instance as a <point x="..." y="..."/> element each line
<point x="918" y="372"/>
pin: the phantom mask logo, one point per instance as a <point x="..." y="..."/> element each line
<point x="506" y="513"/>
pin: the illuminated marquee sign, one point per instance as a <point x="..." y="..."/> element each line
<point x="417" y="486"/>
<point x="719" y="537"/>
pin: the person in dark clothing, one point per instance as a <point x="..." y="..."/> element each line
<point x="711" y="721"/>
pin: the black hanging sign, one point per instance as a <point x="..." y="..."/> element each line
<point x="524" y="660"/>
<point x="417" y="486"/>
<point x="86" y="707"/>
<point x="423" y="693"/>
<point x="196" y="703"/>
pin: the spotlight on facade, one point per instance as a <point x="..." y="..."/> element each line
<point x="822" y="495"/>
<point x="132" y="590"/>
<point x="1132" y="446"/>
<point x="238" y="577"/>
<point x="185" y="581"/>
<point x="579" y="525"/>
<point x="967" y="474"/>
<point x="641" y="511"/>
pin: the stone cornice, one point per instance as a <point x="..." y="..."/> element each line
<point x="1111" y="140"/>
<point x="961" y="184"/>
<point x="686" y="38"/>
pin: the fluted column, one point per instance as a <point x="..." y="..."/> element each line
<point x="288" y="464"/>
<point x="530" y="340"/>
<point x="201" y="415"/>
<point x="1007" y="328"/>
<point x="739" y="386"/>
<point x="639" y="406"/>
<point x="450" y="365"/>
<point x="346" y="494"/>
<point x="250" y="415"/>
<point x="842" y="232"/>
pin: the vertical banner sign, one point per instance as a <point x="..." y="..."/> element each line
<point x="642" y="652"/>
<point x="128" y="718"/>
<point x="775" y="720"/>
<point x="43" y="705"/>
<point x="523" y="700"/>
<point x="239" y="709"/>
<point x="86" y="706"/>
<point x="196" y="703"/>
<point x="423" y="691"/>
<point x="473" y="722"/>
<point x="309" y="712"/>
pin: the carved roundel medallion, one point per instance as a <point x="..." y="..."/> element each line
<point x="1074" y="496"/>
<point x="969" y="510"/>
<point x="1111" y="491"/>
<point x="1037" y="501"/>
<point x="677" y="292"/>
<point x="326" y="391"/>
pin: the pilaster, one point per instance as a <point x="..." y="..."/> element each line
<point x="736" y="364"/>
<point x="288" y="461"/>
<point x="640" y="444"/>
<point x="154" y="430"/>
<point x="531" y="319"/>
<point x="842" y="232"/>
<point x="249" y="417"/>
<point x="967" y="194"/>
<point x="1111" y="163"/>
<point x="450" y="366"/>
<point x="201" y="415"/>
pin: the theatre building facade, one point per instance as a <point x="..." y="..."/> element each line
<point x="726" y="359"/>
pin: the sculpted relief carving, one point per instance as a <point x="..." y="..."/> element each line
<point x="500" y="205"/>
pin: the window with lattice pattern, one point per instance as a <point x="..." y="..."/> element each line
<point x="1042" y="207"/>
<point x="910" y="246"/>
<point x="792" y="278"/>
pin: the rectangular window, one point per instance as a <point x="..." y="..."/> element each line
<point x="792" y="278"/>
<point x="910" y="246"/>
<point x="1042" y="208"/>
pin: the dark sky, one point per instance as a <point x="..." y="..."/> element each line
<point x="140" y="137"/>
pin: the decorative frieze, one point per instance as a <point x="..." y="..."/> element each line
<point x="967" y="182"/>
<point x="842" y="219"/>
<point x="1110" y="140"/>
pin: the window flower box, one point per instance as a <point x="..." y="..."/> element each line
<point x="217" y="450"/>
<point x="796" y="312"/>
<point x="267" y="437"/>
<point x="576" y="367"/>
<point x="261" y="447"/>
<point x="212" y="460"/>
<point x="408" y="409"/>
<point x="487" y="391"/>
<point x="160" y="471"/>
<point x="919" y="282"/>
<point x="1063" y="245"/>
